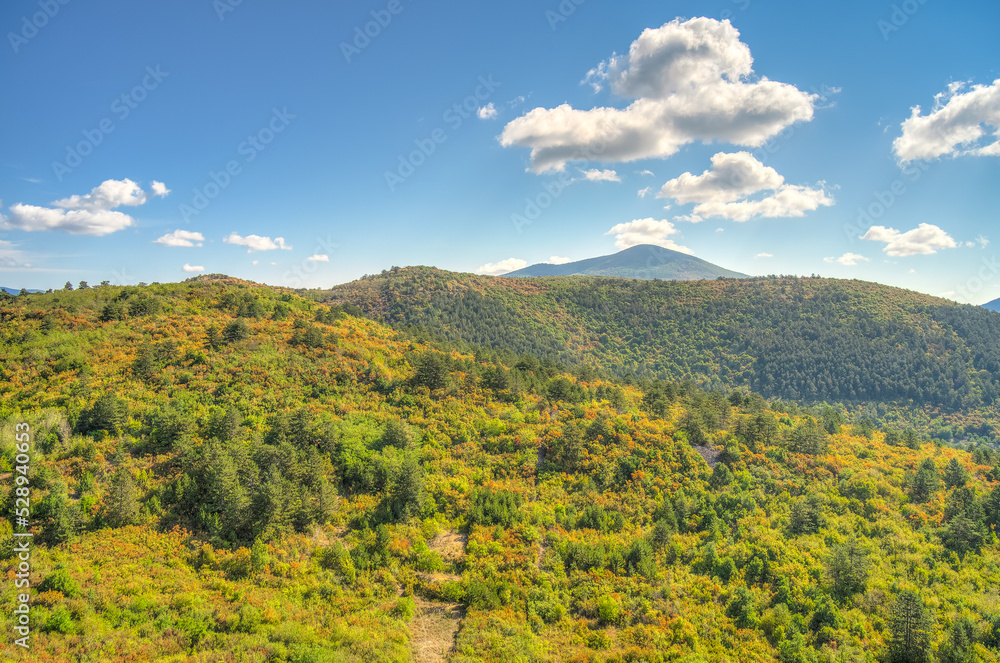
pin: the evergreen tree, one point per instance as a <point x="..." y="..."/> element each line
<point x="431" y="371"/>
<point x="122" y="502"/>
<point x="960" y="646"/>
<point x="925" y="482"/>
<point x="212" y="338"/>
<point x="144" y="365"/>
<point x="109" y="413"/>
<point x="848" y="568"/>
<point x="407" y="496"/>
<point x="910" y="630"/>
<point x="955" y="475"/>
<point x="237" y="330"/>
<point x="62" y="520"/>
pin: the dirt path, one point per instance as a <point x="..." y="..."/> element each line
<point x="434" y="628"/>
<point x="436" y="623"/>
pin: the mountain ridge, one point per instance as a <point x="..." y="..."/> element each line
<point x="645" y="261"/>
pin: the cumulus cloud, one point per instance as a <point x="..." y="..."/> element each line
<point x="687" y="81"/>
<point x="724" y="190"/>
<point x="646" y="231"/>
<point x="193" y="269"/>
<point x="181" y="238"/>
<point x="925" y="239"/>
<point x="733" y="176"/>
<point x="111" y="194"/>
<point x="31" y="218"/>
<point x="257" y="243"/>
<point x="487" y="112"/>
<point x="502" y="267"/>
<point x="160" y="189"/>
<point x="319" y="257"/>
<point x="558" y="260"/>
<point x="597" y="175"/>
<point x="89" y="214"/>
<point x="848" y="259"/>
<point x="642" y="193"/>
<point x="960" y="124"/>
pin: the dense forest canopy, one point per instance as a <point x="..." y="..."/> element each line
<point x="804" y="339"/>
<point x="227" y="472"/>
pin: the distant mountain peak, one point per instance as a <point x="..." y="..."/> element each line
<point x="645" y="261"/>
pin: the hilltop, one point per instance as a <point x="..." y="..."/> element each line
<point x="638" y="262"/>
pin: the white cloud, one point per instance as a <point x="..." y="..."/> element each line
<point x="982" y="241"/>
<point x="160" y="189"/>
<point x="646" y="231"/>
<point x="597" y="175"/>
<point x="257" y="243"/>
<point x="109" y="195"/>
<point x="487" y="112"/>
<point x="319" y="257"/>
<point x="645" y="192"/>
<point x="848" y="259"/>
<point x="502" y="267"/>
<point x="687" y="81"/>
<point x="192" y="269"/>
<point x="558" y="260"/>
<point x="764" y="255"/>
<point x="723" y="191"/>
<point x="733" y="176"/>
<point x="925" y="239"/>
<point x="89" y="214"/>
<point x="181" y="238"/>
<point x="956" y="126"/>
<point x="645" y="173"/>
<point x="31" y="218"/>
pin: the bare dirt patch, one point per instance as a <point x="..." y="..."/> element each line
<point x="434" y="627"/>
<point x="450" y="545"/>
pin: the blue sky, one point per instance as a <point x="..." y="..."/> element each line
<point x="280" y="143"/>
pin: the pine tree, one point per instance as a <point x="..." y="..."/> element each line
<point x="408" y="492"/>
<point x="212" y="338"/>
<point x="848" y="568"/>
<point x="910" y="630"/>
<point x="955" y="476"/>
<point x="925" y="482"/>
<point x="960" y="646"/>
<point x="122" y="505"/>
<point x="144" y="365"/>
<point x="432" y="371"/>
<point x="237" y="330"/>
<point x="62" y="519"/>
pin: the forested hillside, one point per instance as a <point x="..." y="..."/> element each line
<point x="222" y="472"/>
<point x="806" y="339"/>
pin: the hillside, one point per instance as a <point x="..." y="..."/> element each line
<point x="993" y="305"/>
<point x="638" y="262"/>
<point x="222" y="472"/>
<point x="800" y="338"/>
